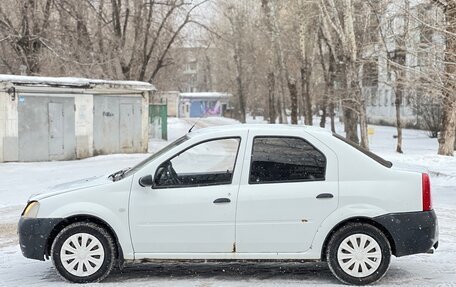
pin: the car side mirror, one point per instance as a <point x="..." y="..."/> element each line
<point x="146" y="181"/>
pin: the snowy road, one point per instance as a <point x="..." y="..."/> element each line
<point x="19" y="180"/>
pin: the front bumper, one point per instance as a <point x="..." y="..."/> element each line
<point x="34" y="234"/>
<point x="412" y="232"/>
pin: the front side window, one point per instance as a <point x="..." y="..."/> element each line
<point x="207" y="163"/>
<point x="167" y="148"/>
<point x="285" y="159"/>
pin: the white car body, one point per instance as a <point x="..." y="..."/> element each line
<point x="261" y="221"/>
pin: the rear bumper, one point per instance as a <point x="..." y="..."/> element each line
<point x="34" y="234"/>
<point x="412" y="232"/>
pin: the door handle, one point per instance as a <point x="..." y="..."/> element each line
<point x="222" y="200"/>
<point x="325" y="195"/>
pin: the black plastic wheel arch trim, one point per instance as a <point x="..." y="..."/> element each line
<point x="412" y="232"/>
<point x="33" y="235"/>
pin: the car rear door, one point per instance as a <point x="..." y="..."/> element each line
<point x="290" y="185"/>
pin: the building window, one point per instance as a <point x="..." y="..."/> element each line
<point x="191" y="67"/>
<point x="423" y="59"/>
<point x="370" y="74"/>
<point x="385" y="95"/>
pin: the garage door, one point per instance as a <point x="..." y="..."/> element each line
<point x="46" y="128"/>
<point x="117" y="124"/>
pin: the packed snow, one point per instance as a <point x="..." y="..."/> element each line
<point x="19" y="180"/>
<point x="72" y="82"/>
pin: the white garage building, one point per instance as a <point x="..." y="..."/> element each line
<point x="45" y="118"/>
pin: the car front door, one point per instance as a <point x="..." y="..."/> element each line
<point x="191" y="207"/>
<point x="289" y="189"/>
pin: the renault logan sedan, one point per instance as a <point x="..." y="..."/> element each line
<point x="246" y="192"/>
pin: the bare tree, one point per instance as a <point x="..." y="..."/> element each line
<point x="345" y="51"/>
<point x="106" y="38"/>
<point x="396" y="59"/>
<point x="150" y="40"/>
<point x="269" y="8"/>
<point x="329" y="67"/>
<point x="447" y="134"/>
<point x="242" y="72"/>
<point x="307" y="41"/>
<point x="237" y="20"/>
<point x="24" y="26"/>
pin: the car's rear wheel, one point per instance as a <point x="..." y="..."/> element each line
<point x="83" y="252"/>
<point x="358" y="254"/>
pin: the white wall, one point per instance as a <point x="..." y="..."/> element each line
<point x="8" y="127"/>
<point x="145" y="121"/>
<point x="3" y="97"/>
<point x="83" y="118"/>
<point x="84" y="122"/>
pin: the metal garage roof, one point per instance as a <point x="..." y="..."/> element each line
<point x="72" y="82"/>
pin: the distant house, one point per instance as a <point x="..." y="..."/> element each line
<point x="418" y="49"/>
<point x="193" y="105"/>
<point x="47" y="118"/>
<point x="196" y="105"/>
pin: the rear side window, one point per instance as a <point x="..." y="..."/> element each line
<point x="285" y="159"/>
<point x="370" y="154"/>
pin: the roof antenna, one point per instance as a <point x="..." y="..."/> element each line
<point x="190" y="130"/>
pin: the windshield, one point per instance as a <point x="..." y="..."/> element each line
<point x="370" y="154"/>
<point x="155" y="155"/>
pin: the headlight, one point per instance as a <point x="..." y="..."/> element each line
<point x="31" y="210"/>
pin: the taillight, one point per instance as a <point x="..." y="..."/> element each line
<point x="426" y="192"/>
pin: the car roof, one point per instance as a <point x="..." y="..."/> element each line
<point x="260" y="127"/>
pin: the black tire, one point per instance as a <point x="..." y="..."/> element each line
<point x="358" y="229"/>
<point x="91" y="229"/>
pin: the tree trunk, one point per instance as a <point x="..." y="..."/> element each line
<point x="326" y="77"/>
<point x="330" y="86"/>
<point x="308" y="106"/>
<point x="349" y="104"/>
<point x="300" y="109"/>
<point x="294" y="100"/>
<point x="362" y="114"/>
<point x="269" y="9"/>
<point x="351" y="123"/>
<point x="281" y="104"/>
<point x="241" y="100"/>
<point x="323" y="115"/>
<point x="306" y="96"/>
<point x="331" y="116"/>
<point x="271" y="98"/>
<point x="455" y="142"/>
<point x="447" y="134"/>
<point x="397" y="103"/>
<point x="240" y="87"/>
<point x="363" y="123"/>
<point x="279" y="108"/>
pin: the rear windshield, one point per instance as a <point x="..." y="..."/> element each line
<point x="370" y="154"/>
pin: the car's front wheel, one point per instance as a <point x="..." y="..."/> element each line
<point x="83" y="252"/>
<point x="358" y="254"/>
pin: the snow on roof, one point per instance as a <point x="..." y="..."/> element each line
<point x="205" y="95"/>
<point x="73" y="82"/>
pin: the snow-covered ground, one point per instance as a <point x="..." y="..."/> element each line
<point x="19" y="180"/>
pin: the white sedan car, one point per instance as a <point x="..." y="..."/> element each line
<point x="246" y="192"/>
